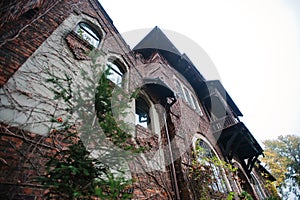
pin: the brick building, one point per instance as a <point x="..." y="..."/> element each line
<point x="176" y="112"/>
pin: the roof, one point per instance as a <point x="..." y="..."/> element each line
<point x="265" y="172"/>
<point x="157" y="41"/>
<point x="237" y="140"/>
<point x="218" y="85"/>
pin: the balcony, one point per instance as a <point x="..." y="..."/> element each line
<point x="223" y="123"/>
<point x="237" y="141"/>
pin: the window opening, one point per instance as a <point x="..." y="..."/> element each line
<point x="89" y="34"/>
<point x="142" y="113"/>
<point x="188" y="97"/>
<point x="218" y="183"/>
<point x="197" y="107"/>
<point x="115" y="74"/>
<point x="30" y="14"/>
<point x="179" y="89"/>
<point x="258" y="187"/>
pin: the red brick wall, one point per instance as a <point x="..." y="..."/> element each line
<point x="21" y="154"/>
<point x="21" y="36"/>
<point x="22" y="161"/>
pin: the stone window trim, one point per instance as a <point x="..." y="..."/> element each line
<point x="79" y="46"/>
<point x="88" y="32"/>
<point x="236" y="164"/>
<point x="153" y="123"/>
<point x="117" y="71"/>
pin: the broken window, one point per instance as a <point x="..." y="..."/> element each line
<point x="115" y="72"/>
<point x="88" y="33"/>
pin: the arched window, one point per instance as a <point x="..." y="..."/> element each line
<point x="179" y="89"/>
<point x="115" y="72"/>
<point x="206" y="156"/>
<point x="142" y="115"/>
<point x="88" y="33"/>
<point x="188" y="97"/>
<point x="197" y="107"/>
<point x="242" y="181"/>
<point x="258" y="189"/>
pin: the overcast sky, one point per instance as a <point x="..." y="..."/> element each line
<point x="254" y="44"/>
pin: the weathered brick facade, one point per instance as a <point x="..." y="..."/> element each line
<point x="37" y="35"/>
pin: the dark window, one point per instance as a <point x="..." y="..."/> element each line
<point x="142" y="113"/>
<point x="88" y="33"/>
<point x="30" y="14"/>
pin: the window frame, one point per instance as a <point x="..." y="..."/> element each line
<point x="197" y="106"/>
<point x="221" y="183"/>
<point x="88" y="32"/>
<point x="188" y="97"/>
<point x="115" y="69"/>
<point x="184" y="93"/>
<point x="146" y="124"/>
<point x="257" y="187"/>
<point x="179" y="89"/>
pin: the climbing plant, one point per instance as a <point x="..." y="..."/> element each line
<point x="203" y="172"/>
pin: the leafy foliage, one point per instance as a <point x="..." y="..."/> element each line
<point x="202" y="174"/>
<point x="245" y="196"/>
<point x="282" y="157"/>
<point x="116" y="131"/>
<point x="73" y="174"/>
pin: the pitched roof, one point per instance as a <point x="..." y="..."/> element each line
<point x="217" y="84"/>
<point x="155" y="40"/>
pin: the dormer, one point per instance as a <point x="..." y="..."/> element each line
<point x="219" y="106"/>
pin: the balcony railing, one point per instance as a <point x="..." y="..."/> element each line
<point x="225" y="122"/>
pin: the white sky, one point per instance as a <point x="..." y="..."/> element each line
<point x="254" y="44"/>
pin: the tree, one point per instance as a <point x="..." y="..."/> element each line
<point x="72" y="173"/>
<point x="282" y="158"/>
